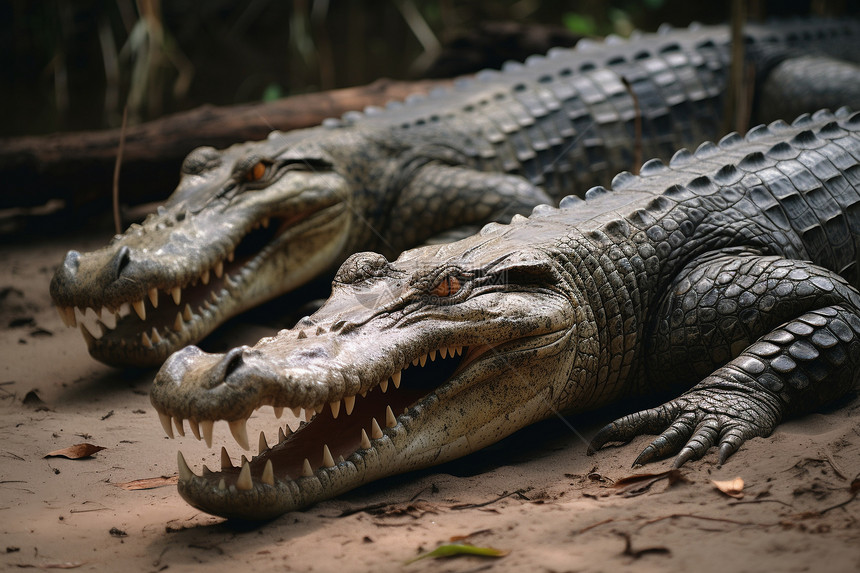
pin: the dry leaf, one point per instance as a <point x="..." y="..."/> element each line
<point x="732" y="488"/>
<point x="148" y="483"/>
<point x="638" y="484"/>
<point x="673" y="474"/>
<point x="75" y="452"/>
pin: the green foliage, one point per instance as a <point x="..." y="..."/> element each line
<point x="272" y="92"/>
<point x="455" y="549"/>
<point x="581" y="24"/>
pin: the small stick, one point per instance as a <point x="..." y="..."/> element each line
<point x="116" y="220"/>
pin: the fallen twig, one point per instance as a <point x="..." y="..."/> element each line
<point x="519" y="493"/>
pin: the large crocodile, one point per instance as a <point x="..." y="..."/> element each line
<point x="259" y="219"/>
<point x="732" y="273"/>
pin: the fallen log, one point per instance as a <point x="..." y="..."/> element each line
<point x="74" y="171"/>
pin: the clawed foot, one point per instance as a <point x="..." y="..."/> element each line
<point x="695" y="422"/>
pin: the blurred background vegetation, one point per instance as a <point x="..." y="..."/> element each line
<point x="74" y="65"/>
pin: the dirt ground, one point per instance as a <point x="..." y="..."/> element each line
<point x="536" y="495"/>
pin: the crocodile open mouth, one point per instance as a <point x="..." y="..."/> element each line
<point x="173" y="313"/>
<point x="334" y="434"/>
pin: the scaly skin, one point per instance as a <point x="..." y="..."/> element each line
<point x="693" y="276"/>
<point x="428" y="170"/>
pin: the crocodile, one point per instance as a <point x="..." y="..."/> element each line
<point x="727" y="278"/>
<point x="259" y="219"/>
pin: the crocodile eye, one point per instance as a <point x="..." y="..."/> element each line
<point x="256" y="172"/>
<point x="449" y="286"/>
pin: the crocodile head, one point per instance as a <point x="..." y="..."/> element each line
<point x="408" y="364"/>
<point x="244" y="225"/>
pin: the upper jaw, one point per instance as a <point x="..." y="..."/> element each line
<point x="161" y="297"/>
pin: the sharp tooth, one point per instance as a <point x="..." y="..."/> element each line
<point x="206" y="471"/>
<point x="176" y="293"/>
<point x="195" y="428"/>
<point x="153" y="297"/>
<point x="279" y="411"/>
<point x="180" y="429"/>
<point x="222" y="485"/>
<point x="89" y="338"/>
<point x="206" y="427"/>
<point x="268" y="476"/>
<point x="165" y="423"/>
<point x="281" y="435"/>
<point x="139" y="308"/>
<point x="265" y="223"/>
<point x="204" y="277"/>
<point x="309" y="414"/>
<point x="306" y="469"/>
<point x="390" y="420"/>
<point x="144" y="339"/>
<point x="432" y="355"/>
<point x="415" y="362"/>
<point x="375" y="430"/>
<point x="443" y="352"/>
<point x="383" y="386"/>
<point x="240" y="433"/>
<point x="185" y="473"/>
<point x="297" y="411"/>
<point x="423" y="360"/>
<point x="396" y="379"/>
<point x="244" y="460"/>
<point x="178" y="325"/>
<point x="64" y="316"/>
<point x="72" y="317"/>
<point x="219" y="269"/>
<point x="365" y="441"/>
<point x="459" y="350"/>
<point x="156" y="338"/>
<point x="340" y="459"/>
<point x="328" y="461"/>
<point x="226" y="462"/>
<point x="187" y="314"/>
<point x="335" y="408"/>
<point x="262" y="445"/>
<point x="230" y="256"/>
<point x="244" y="482"/>
<point x="349" y="404"/>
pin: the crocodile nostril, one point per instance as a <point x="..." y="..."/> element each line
<point x="231" y="362"/>
<point x="71" y="263"/>
<point x="120" y="261"/>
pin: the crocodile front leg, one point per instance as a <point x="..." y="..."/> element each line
<point x="714" y="307"/>
<point x="457" y="201"/>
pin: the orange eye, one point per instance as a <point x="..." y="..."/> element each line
<point x="448" y="286"/>
<point x="256" y="172"/>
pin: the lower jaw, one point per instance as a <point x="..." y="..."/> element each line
<point x="122" y="351"/>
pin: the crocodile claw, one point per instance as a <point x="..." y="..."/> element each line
<point x="693" y="423"/>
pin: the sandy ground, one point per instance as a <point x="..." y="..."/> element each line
<point x="536" y="495"/>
